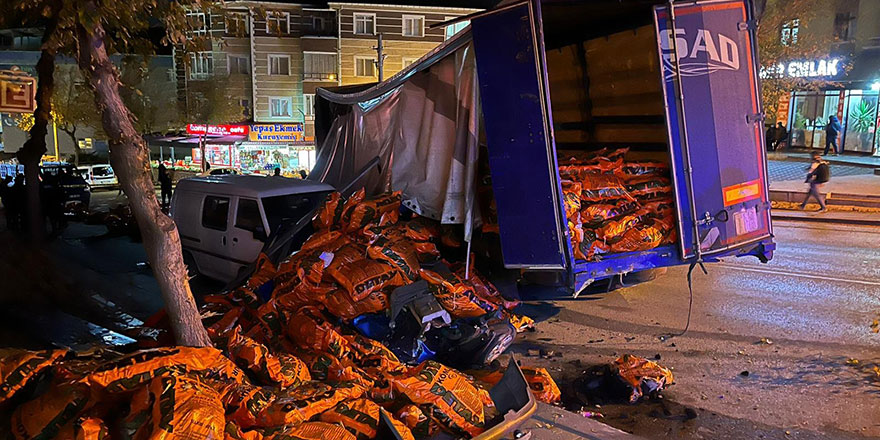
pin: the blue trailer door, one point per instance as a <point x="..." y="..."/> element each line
<point x="707" y="49"/>
<point x="509" y="49"/>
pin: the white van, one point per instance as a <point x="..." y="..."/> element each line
<point x="224" y="221"/>
<point x="98" y="176"/>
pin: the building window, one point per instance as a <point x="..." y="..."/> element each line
<point x="309" y="105"/>
<point x="455" y="28"/>
<point x="277" y="23"/>
<point x="364" y="24"/>
<point x="407" y="61"/>
<point x="279" y="64"/>
<point x="237" y="24"/>
<point x="790" y="32"/>
<point x="215" y="212"/>
<point x="844" y="26"/>
<point x="413" y="26"/>
<point x="320" y="66"/>
<point x="238" y="64"/>
<point x="280" y="107"/>
<point x="198" y="23"/>
<point x="364" y="66"/>
<point x="201" y="65"/>
<point x="318" y="24"/>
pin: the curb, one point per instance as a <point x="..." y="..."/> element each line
<point x="783" y="215"/>
<point x="831" y="160"/>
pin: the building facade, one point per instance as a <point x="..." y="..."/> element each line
<point x="849" y="77"/>
<point x="271" y="57"/>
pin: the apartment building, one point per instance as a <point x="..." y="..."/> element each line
<point x="408" y="32"/>
<point x="271" y="57"/>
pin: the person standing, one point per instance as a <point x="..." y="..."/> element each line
<point x="781" y="136"/>
<point x="164" y="185"/>
<point x="819" y="173"/>
<point x="831" y="132"/>
<point x="770" y="138"/>
<point x="277" y="172"/>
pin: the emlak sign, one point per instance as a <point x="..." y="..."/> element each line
<point x="803" y="69"/>
<point x="217" y="130"/>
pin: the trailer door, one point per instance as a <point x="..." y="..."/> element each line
<point x="509" y="50"/>
<point x="715" y="128"/>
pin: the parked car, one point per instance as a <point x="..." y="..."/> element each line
<point x="225" y="220"/>
<point x="99" y="176"/>
<point x="74" y="187"/>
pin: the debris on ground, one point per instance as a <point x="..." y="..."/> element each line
<point x="627" y="379"/>
<point x="764" y="341"/>
<point x="852" y="361"/>
<point x="304" y="349"/>
<point x="592" y="414"/>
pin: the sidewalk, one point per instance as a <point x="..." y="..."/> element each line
<point x="837" y="217"/>
<point x="803" y="155"/>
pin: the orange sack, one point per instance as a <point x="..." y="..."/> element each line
<point x="362" y="277"/>
<point x="642" y="375"/>
<point x="283" y="369"/>
<point x="415" y="419"/>
<point x="129" y="372"/>
<point x="313" y="333"/>
<point x="324" y="366"/>
<point x="456" y="295"/>
<point x="264" y="272"/>
<point x="306" y="401"/>
<point x="371" y="210"/>
<point x="330" y="214"/>
<point x="400" y="254"/>
<point x="327" y="241"/>
<point x="600" y="187"/>
<point x="184" y="407"/>
<point x="90" y="428"/>
<point x="571" y="191"/>
<point x="347" y="254"/>
<point x="18" y="367"/>
<point x="540" y="382"/>
<point x="305" y="265"/>
<point x="46" y="415"/>
<point x="308" y="431"/>
<point x="452" y="400"/>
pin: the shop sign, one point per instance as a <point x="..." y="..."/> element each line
<point x="782" y="108"/>
<point x="277" y="133"/>
<point x="217" y="130"/>
<point x="803" y="69"/>
<point x="17" y="93"/>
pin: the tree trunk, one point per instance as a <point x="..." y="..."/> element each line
<point x="35" y="147"/>
<point x="76" y="149"/>
<point x="129" y="157"/>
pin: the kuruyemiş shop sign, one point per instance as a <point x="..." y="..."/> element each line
<point x="276" y="133"/>
<point x="803" y="69"/>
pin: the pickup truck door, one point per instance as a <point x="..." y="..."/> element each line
<point x="509" y="49"/>
<point x="707" y="53"/>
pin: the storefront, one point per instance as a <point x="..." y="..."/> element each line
<point x="851" y="92"/>
<point x="255" y="149"/>
<point x="271" y="146"/>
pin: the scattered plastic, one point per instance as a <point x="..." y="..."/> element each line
<point x="765" y="341"/>
<point x="592" y="415"/>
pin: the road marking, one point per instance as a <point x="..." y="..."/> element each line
<point x="797" y="275"/>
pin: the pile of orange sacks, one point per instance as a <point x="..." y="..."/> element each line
<point x="285" y="368"/>
<point x="613" y="205"/>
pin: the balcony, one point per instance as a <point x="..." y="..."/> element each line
<point x="319" y="32"/>
<point x="319" y="76"/>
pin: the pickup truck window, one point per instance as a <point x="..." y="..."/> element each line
<point x="247" y="217"/>
<point x="215" y="212"/>
<point x="291" y="207"/>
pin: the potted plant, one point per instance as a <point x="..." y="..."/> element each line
<point x="861" y="120"/>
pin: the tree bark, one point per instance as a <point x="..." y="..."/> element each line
<point x="76" y="149"/>
<point x="129" y="157"/>
<point x="35" y="147"/>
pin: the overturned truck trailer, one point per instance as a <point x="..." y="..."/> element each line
<point x="618" y="135"/>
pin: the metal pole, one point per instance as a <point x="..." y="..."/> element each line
<point x="380" y="59"/>
<point x="55" y="138"/>
<point x="698" y="251"/>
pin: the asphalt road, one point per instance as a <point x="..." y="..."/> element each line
<point x="814" y="301"/>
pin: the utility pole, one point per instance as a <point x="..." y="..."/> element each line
<point x="380" y="58"/>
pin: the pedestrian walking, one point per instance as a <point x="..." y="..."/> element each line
<point x="165" y="185"/>
<point x="781" y="136"/>
<point x="819" y="173"/>
<point x="832" y="129"/>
